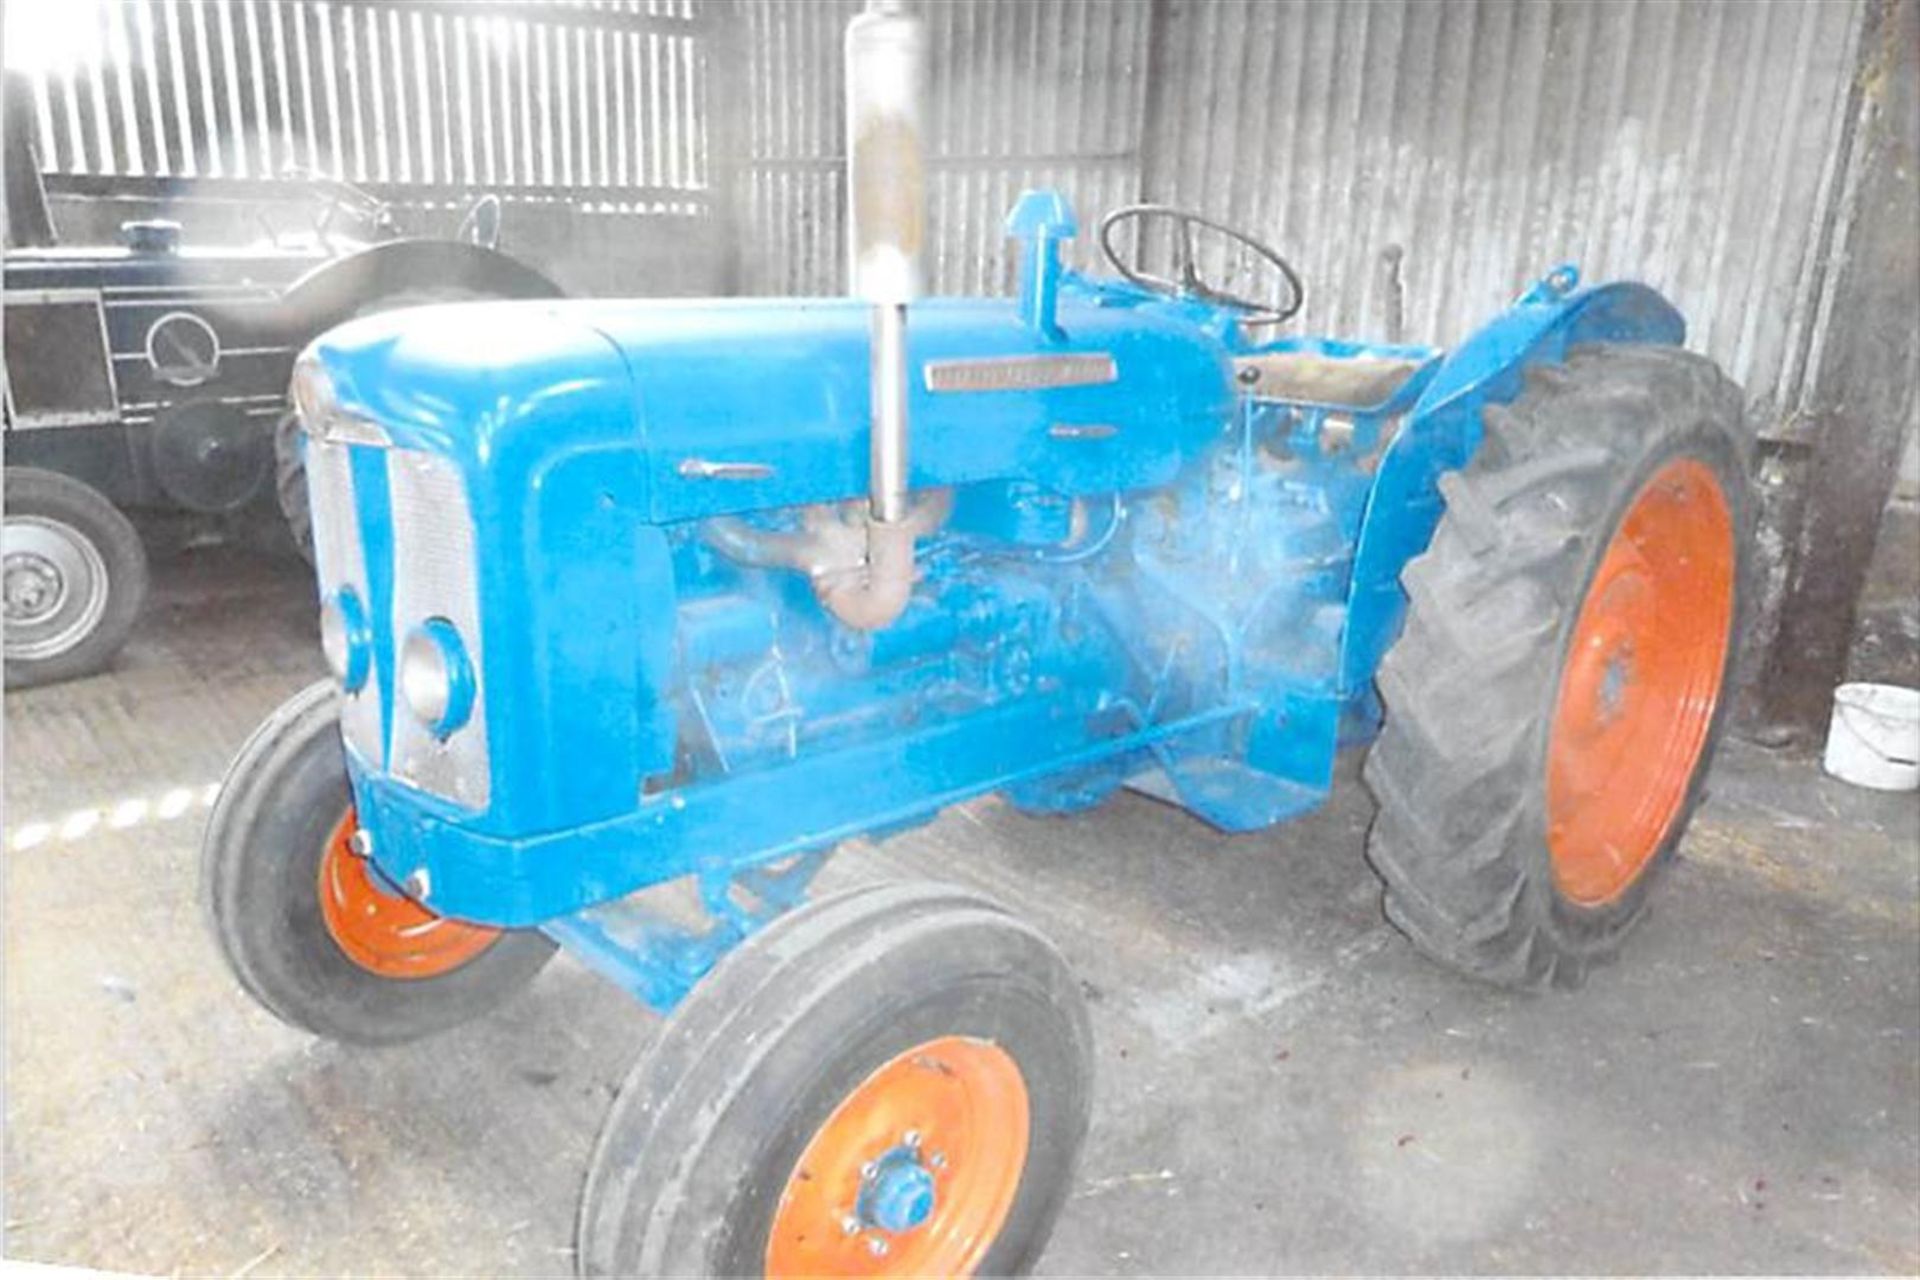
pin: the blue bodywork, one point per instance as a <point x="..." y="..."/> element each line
<point x="1171" y="561"/>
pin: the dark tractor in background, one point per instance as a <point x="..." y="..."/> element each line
<point x="152" y="374"/>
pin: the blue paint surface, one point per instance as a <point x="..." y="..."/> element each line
<point x="1172" y="579"/>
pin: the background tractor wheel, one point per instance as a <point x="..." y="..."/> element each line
<point x="310" y="930"/>
<point x="76" y="576"/>
<point x="892" y="1081"/>
<point x="290" y="481"/>
<point x="1555" y="698"/>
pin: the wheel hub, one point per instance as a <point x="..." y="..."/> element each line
<point x="899" y="1194"/>
<point x="914" y="1173"/>
<point x="55" y="586"/>
<point x="34" y="588"/>
<point x="1615" y="681"/>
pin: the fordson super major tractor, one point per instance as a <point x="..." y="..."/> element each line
<point x="617" y="594"/>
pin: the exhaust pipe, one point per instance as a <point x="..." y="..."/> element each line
<point x="886" y="53"/>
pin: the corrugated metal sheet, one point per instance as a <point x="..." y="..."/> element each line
<point x="1023" y="94"/>
<point x="1419" y="161"/>
<point x="598" y="101"/>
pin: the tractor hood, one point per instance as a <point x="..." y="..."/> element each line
<point x="742" y="404"/>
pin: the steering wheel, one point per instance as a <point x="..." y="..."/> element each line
<point x="1190" y="285"/>
<point x="341" y="197"/>
<point x="481" y="226"/>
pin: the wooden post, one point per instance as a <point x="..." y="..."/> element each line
<point x="1863" y="395"/>
<point x="728" y="96"/>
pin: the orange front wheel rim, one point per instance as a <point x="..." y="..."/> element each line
<point x="382" y="931"/>
<point x="1640" y="683"/>
<point x="915" y="1171"/>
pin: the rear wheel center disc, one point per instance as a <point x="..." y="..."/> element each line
<point x="1640" y="683"/>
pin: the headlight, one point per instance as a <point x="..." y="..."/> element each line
<point x="345" y="640"/>
<point x="435" y="677"/>
<point x="321" y="414"/>
<point x="312" y="390"/>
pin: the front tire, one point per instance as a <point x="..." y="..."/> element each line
<point x="1555" y="698"/>
<point x="76" y="577"/>
<point x="891" y="1081"/>
<point x="309" y="929"/>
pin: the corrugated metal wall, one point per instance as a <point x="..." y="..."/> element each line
<point x="1419" y="161"/>
<point x="593" y="101"/>
<point x="1023" y="94"/>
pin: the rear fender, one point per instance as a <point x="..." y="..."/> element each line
<point x="336" y="291"/>
<point x="1443" y="431"/>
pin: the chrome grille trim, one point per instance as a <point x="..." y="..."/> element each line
<point x="434" y="576"/>
<point x="340" y="560"/>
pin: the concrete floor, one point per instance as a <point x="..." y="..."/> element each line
<point x="1284" y="1085"/>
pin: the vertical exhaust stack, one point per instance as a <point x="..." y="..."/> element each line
<point x="886" y="52"/>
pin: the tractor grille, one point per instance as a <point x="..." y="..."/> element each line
<point x="433" y="572"/>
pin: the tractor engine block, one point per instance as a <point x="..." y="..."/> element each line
<point x="1123" y="610"/>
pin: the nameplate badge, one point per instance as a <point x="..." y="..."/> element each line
<point x="1021" y="373"/>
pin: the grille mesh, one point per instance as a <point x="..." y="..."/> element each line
<point x="341" y="561"/>
<point x="434" y="576"/>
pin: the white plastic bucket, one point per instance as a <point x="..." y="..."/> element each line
<point x="1874" y="740"/>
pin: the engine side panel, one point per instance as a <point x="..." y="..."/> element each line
<point x="750" y="406"/>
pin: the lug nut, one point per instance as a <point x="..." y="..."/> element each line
<point x="876" y="1246"/>
<point x="868" y="1171"/>
<point x="938" y="1160"/>
<point x="911" y="1137"/>
<point x="360" y="843"/>
<point x="849" y="1226"/>
<point x="417" y="885"/>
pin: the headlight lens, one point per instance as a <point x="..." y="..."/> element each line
<point x="345" y="639"/>
<point x="321" y="414"/>
<point x="436" y="680"/>
<point x="312" y="391"/>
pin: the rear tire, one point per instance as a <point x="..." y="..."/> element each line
<point x="300" y="955"/>
<point x="728" y="1153"/>
<point x="76" y="578"/>
<point x="1591" y="495"/>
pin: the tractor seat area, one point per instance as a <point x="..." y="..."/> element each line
<point x="1356" y="380"/>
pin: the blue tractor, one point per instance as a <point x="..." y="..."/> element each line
<point x="624" y="595"/>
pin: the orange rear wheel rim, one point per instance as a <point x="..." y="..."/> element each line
<point x="381" y="931"/>
<point x="949" y="1117"/>
<point x="1640" y="683"/>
